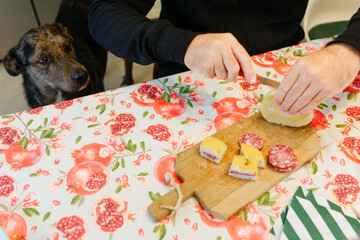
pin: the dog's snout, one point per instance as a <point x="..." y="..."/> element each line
<point x="79" y="76"/>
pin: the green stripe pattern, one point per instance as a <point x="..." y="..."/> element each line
<point x="314" y="217"/>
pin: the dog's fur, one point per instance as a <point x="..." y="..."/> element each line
<point x="60" y="61"/>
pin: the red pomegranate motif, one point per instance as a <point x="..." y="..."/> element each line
<point x="224" y="120"/>
<point x="19" y="158"/>
<point x="168" y="110"/>
<point x="9" y="135"/>
<point x="241" y="83"/>
<point x="146" y="94"/>
<point x="265" y="59"/>
<point x="231" y="104"/>
<point x="93" y="152"/>
<point x="283" y="68"/>
<point x="354" y="87"/>
<point x="73" y="227"/>
<point x="257" y="228"/>
<point x="344" y="189"/>
<point x="63" y="105"/>
<point x="110" y="213"/>
<point x="246" y="86"/>
<point x="319" y="121"/>
<point x="36" y="111"/>
<point x="159" y="132"/>
<point x="350" y="146"/>
<point x="354" y="112"/>
<point x="7" y="185"/>
<point x="14" y="225"/>
<point x="87" y="178"/>
<point x="121" y="125"/>
<point x="164" y="165"/>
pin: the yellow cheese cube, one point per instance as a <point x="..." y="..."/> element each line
<point x="212" y="149"/>
<point x="241" y="167"/>
<point x="252" y="153"/>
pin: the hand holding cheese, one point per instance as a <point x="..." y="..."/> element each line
<point x="272" y="113"/>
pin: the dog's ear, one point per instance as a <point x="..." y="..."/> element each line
<point x="65" y="30"/>
<point x="13" y="64"/>
<point x="61" y="28"/>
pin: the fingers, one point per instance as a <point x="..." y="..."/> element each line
<point x="285" y="86"/>
<point x="319" y="98"/>
<point x="292" y="96"/>
<point x="219" y="55"/>
<point x="220" y="68"/>
<point x="232" y="66"/>
<point x="245" y="63"/>
<point x="305" y="99"/>
<point x="209" y="70"/>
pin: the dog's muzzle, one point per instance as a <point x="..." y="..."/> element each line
<point x="81" y="78"/>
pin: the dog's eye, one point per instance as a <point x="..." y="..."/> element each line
<point x="44" y="59"/>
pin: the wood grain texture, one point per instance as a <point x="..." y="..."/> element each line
<point x="222" y="195"/>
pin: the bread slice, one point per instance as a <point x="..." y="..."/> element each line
<point x="252" y="153"/>
<point x="244" y="168"/>
<point x="213" y="149"/>
<point x="271" y="112"/>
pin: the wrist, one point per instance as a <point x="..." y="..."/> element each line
<point x="345" y="50"/>
<point x="188" y="55"/>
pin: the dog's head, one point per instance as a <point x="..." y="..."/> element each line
<point x="46" y="55"/>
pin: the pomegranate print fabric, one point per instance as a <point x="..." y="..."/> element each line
<point x="88" y="168"/>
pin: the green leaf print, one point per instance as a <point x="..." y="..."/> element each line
<point x="24" y="142"/>
<point x="243" y="214"/>
<point x="31" y="212"/>
<point x="116" y="165"/>
<point x="166" y="97"/>
<point x="118" y="189"/>
<point x="314" y="168"/>
<point x="76" y="200"/>
<point x="282" y="59"/>
<point x="46" y="216"/>
<point x="78" y="139"/>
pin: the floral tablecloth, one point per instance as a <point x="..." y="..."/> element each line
<point x="90" y="167"/>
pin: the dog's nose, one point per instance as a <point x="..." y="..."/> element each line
<point x="79" y="76"/>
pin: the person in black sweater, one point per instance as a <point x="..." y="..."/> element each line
<point x="216" y="38"/>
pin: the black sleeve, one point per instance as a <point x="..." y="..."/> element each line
<point x="121" y="27"/>
<point x="351" y="35"/>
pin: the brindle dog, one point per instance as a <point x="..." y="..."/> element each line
<point x="60" y="61"/>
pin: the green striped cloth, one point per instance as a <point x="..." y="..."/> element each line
<point x="314" y="217"/>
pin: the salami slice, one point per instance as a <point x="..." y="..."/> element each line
<point x="252" y="140"/>
<point x="282" y="158"/>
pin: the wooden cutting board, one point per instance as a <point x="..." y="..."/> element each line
<point x="222" y="195"/>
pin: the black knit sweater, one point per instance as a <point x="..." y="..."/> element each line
<point x="259" y="25"/>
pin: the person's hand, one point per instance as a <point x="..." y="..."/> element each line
<point x="316" y="77"/>
<point x="219" y="55"/>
